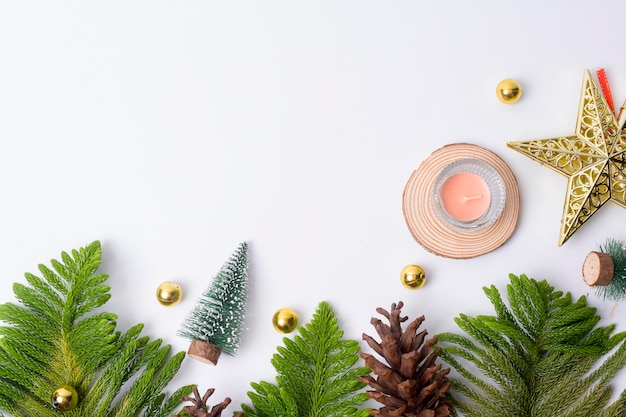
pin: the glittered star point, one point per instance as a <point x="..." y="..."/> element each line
<point x="593" y="159"/>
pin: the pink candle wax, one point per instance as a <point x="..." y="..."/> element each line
<point x="465" y="196"/>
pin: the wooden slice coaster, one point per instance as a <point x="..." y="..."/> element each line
<point x="437" y="237"/>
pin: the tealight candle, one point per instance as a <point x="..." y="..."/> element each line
<point x="465" y="196"/>
<point x="468" y="195"/>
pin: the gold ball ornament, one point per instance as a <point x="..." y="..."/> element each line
<point x="169" y="293"/>
<point x="285" y="320"/>
<point x="64" y="398"/>
<point x="508" y="91"/>
<point x="413" y="277"/>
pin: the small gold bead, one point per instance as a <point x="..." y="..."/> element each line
<point x="508" y="91"/>
<point x="64" y="398"/>
<point x="169" y="293"/>
<point x="285" y="320"/>
<point x="413" y="277"/>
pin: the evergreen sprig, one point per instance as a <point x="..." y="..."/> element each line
<point x="541" y="355"/>
<point x="55" y="337"/>
<point x="317" y="374"/>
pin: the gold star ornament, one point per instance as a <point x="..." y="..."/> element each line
<point x="593" y="159"/>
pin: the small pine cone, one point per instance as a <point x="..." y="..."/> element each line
<point x="199" y="407"/>
<point x="408" y="381"/>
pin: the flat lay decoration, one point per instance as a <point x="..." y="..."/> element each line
<point x="410" y="380"/>
<point x="593" y="159"/>
<point x="216" y="322"/>
<point x="317" y="374"/>
<point x="483" y="176"/>
<point x="541" y="354"/>
<point x="59" y="354"/>
<point x="605" y="270"/>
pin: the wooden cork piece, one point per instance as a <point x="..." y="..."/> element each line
<point x="598" y="269"/>
<point x="204" y="352"/>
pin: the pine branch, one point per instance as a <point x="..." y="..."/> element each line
<point x="541" y="354"/>
<point x="56" y="337"/>
<point x="317" y="374"/>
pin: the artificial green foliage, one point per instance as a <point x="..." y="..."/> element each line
<point x="219" y="314"/>
<point x="616" y="289"/>
<point x="541" y="354"/>
<point x="317" y="375"/>
<point x="55" y="337"/>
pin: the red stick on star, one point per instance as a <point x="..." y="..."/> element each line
<point x="606" y="90"/>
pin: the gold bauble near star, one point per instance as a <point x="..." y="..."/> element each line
<point x="593" y="159"/>
<point x="508" y="91"/>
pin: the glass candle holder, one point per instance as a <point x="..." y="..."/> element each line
<point x="468" y="195"/>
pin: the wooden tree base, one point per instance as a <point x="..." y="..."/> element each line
<point x="204" y="352"/>
<point x="598" y="269"/>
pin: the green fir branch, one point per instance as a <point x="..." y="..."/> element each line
<point x="317" y="374"/>
<point x="56" y="337"/>
<point x="542" y="354"/>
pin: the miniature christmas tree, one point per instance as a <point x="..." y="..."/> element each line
<point x="409" y="383"/>
<point x="542" y="355"/>
<point x="216" y="322"/>
<point x="317" y="374"/>
<point x="58" y="354"/>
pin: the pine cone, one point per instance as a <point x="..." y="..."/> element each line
<point x="410" y="384"/>
<point x="199" y="407"/>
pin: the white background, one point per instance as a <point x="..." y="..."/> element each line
<point x="172" y="131"/>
